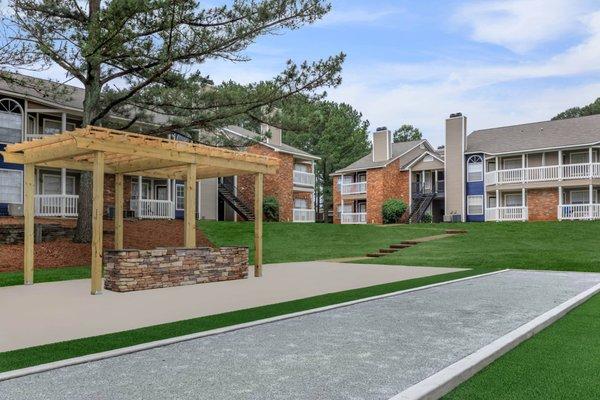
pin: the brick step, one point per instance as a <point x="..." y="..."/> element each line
<point x="388" y="251"/>
<point x="375" y="255"/>
<point x="401" y="246"/>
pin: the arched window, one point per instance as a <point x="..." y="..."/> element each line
<point x="474" y="169"/>
<point x="11" y="121"/>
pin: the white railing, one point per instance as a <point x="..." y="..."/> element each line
<point x="354" y="188"/>
<point x="153" y="209"/>
<point x="579" y="211"/>
<point x="354" y="218"/>
<point x="506" y="214"/>
<point x="540" y="174"/>
<point x="304" y="215"/>
<point x="304" y="178"/>
<point x="56" y="205"/>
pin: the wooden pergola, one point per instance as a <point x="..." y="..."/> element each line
<point x="102" y="150"/>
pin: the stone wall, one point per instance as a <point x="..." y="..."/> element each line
<point x="14" y="233"/>
<point x="542" y="204"/>
<point x="131" y="270"/>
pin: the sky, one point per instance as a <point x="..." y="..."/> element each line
<point x="498" y="62"/>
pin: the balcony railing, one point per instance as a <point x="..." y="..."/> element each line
<point x="304" y="178"/>
<point x="540" y="174"/>
<point x="354" y="218"/>
<point x="153" y="209"/>
<point x="579" y="211"/>
<point x="56" y="205"/>
<point x="304" y="215"/>
<point x="506" y="214"/>
<point x="354" y="188"/>
<point x="427" y="188"/>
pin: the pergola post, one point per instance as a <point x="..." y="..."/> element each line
<point x="190" y="207"/>
<point x="118" y="211"/>
<point x="97" y="214"/>
<point x="258" y="224"/>
<point x="29" y="212"/>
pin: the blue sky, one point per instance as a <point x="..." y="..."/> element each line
<point x="500" y="62"/>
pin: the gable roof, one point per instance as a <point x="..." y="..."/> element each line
<point x="284" y="148"/>
<point x="572" y="132"/>
<point x="420" y="157"/>
<point x="398" y="150"/>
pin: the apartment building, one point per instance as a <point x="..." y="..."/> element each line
<point x="26" y="113"/>
<point x="409" y="171"/>
<point x="539" y="171"/>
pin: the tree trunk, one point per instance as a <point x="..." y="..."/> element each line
<point x="91" y="101"/>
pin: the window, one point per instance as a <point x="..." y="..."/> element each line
<point x="580" y="197"/>
<point x="51" y="184"/>
<point x="145" y="190"/>
<point x="428" y="159"/>
<point x="11" y="186"/>
<point x="512" y="163"/>
<point x="179" y="199"/>
<point x="301" y="167"/>
<point x="300" y="204"/>
<point x="475" y="205"/>
<point x="579" y="158"/>
<point x="492" y="202"/>
<point x="474" y="169"/>
<point x="513" y="200"/>
<point x="52" y="126"/>
<point x="11" y="121"/>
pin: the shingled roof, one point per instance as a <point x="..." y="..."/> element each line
<point x="582" y="131"/>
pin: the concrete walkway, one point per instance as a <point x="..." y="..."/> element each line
<point x="370" y="350"/>
<point x="53" y="312"/>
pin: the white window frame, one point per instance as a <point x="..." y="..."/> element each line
<point x="495" y="201"/>
<point x="302" y="207"/>
<point x="507" y="195"/>
<point x="520" y="160"/>
<point x="179" y="185"/>
<point x="578" y="153"/>
<point x="21" y="112"/>
<point x="586" y="195"/>
<point x="471" y="162"/>
<point x="70" y="125"/>
<point x="472" y="197"/>
<point x="20" y="173"/>
<point x="146" y="190"/>
<point x="68" y="178"/>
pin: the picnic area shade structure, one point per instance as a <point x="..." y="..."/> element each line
<point x="102" y="150"/>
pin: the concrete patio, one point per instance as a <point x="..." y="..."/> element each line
<point x="53" y="312"/>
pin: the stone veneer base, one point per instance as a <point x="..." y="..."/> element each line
<point x="131" y="270"/>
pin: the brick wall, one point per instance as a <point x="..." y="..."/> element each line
<point x="384" y="184"/>
<point x="131" y="270"/>
<point x="279" y="185"/>
<point x="109" y="190"/>
<point x="336" y="200"/>
<point x="542" y="204"/>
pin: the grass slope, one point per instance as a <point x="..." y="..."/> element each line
<point x="561" y="362"/>
<point x="569" y="246"/>
<point x="285" y="242"/>
<point x="73" y="348"/>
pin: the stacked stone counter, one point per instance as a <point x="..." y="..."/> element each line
<point x="131" y="270"/>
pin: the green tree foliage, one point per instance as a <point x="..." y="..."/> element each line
<point x="134" y="58"/>
<point x="336" y="132"/>
<point x="271" y="209"/>
<point x="392" y="210"/>
<point x="407" y="133"/>
<point x="590" y="109"/>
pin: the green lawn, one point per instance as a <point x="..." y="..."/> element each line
<point x="46" y="275"/>
<point x="284" y="242"/>
<point x="73" y="348"/>
<point x="561" y="362"/>
<point x="569" y="246"/>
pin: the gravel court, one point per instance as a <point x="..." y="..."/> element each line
<point x="370" y="350"/>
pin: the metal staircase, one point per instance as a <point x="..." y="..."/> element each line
<point x="420" y="205"/>
<point x="227" y="193"/>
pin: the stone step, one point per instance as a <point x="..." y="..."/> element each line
<point x="410" y="242"/>
<point x="401" y="246"/>
<point x="388" y="251"/>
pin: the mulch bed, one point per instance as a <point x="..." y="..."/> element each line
<point x="144" y="234"/>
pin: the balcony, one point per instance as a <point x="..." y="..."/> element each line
<point x="506" y="214"/>
<point x="303" y="215"/>
<point x="153" y="209"/>
<point x="543" y="174"/>
<point x="353" y="188"/>
<point x="579" y="212"/>
<point x="56" y="205"/>
<point x="419" y="188"/>
<point x="354" y="218"/>
<point x="302" y="178"/>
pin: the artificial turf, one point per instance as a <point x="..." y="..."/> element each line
<point x="73" y="348"/>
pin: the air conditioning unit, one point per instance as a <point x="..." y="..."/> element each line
<point x="15" y="210"/>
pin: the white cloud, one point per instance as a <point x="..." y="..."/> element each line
<point x="521" y="25"/>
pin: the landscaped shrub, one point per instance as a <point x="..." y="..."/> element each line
<point x="392" y="210"/>
<point x="427" y="218"/>
<point x="271" y="209"/>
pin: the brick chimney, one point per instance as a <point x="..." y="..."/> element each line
<point x="456" y="143"/>
<point x="275" y="134"/>
<point x="382" y="144"/>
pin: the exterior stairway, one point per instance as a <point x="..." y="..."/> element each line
<point x="227" y="193"/>
<point x="419" y="207"/>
